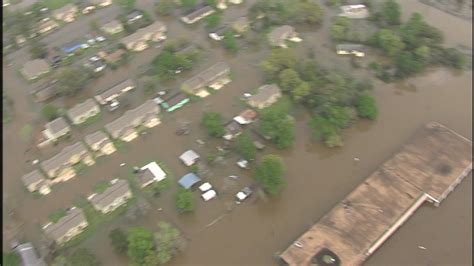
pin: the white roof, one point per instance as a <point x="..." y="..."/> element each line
<point x="241" y="195"/>
<point x="156" y="170"/>
<point x="210" y="194"/>
<point x="189" y="157"/>
<point x="241" y="120"/>
<point x="205" y="187"/>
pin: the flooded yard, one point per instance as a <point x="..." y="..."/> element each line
<point x="221" y="232"/>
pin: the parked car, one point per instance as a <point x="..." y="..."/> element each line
<point x="114" y="105"/>
<point x="243" y="194"/>
<point x="100" y="38"/>
<point x="242" y="163"/>
<point x="208" y="195"/>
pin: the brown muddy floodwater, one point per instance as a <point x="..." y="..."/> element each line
<point x="318" y="177"/>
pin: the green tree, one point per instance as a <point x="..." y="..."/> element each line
<point x="340" y="28"/>
<point x="325" y="130"/>
<point x="275" y="122"/>
<point x="212" y="121"/>
<point x="289" y="79"/>
<point x="118" y="239"/>
<point x="165" y="7"/>
<point x="212" y="3"/>
<point x="50" y="112"/>
<point x="167" y="239"/>
<point x="83" y="257"/>
<point x="416" y="32"/>
<point x="38" y="49"/>
<point x="140" y="244"/>
<point x="245" y="147"/>
<point x="278" y="60"/>
<point x="407" y="64"/>
<point x="269" y="173"/>
<point x="301" y="92"/>
<point x="366" y="107"/>
<point x="390" y="42"/>
<point x="229" y="42"/>
<point x="184" y="200"/>
<point x="188" y="4"/>
<point x="339" y="116"/>
<point x="11" y="259"/>
<point x="391" y="11"/>
<point x="212" y="21"/>
<point x="71" y="80"/>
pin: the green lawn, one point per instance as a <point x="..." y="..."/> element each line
<point x="55" y="4"/>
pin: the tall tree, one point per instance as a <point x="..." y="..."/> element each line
<point x="391" y="11"/>
<point x="275" y="122"/>
<point x="269" y="173"/>
<point x="140" y="243"/>
<point x="184" y="200"/>
<point x="366" y="107"/>
<point x="71" y="80"/>
<point x="390" y="42"/>
<point x="245" y="147"/>
<point x="118" y="239"/>
<point x="212" y="121"/>
<point x="38" y="49"/>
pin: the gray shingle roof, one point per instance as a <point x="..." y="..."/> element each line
<point x="279" y="34"/>
<point x="265" y="92"/>
<point x="81" y="108"/>
<point x="35" y="68"/>
<point x="97" y="137"/>
<point x="57" y="125"/>
<point x="62" y="159"/>
<point x="33" y="177"/>
<point x="116" y="89"/>
<point x="117" y="190"/>
<point x="29" y="256"/>
<point x="198" y="12"/>
<point x="140" y="34"/>
<point x="74" y="217"/>
<point x="132" y="118"/>
<point x="207" y="77"/>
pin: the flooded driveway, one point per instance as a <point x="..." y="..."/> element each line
<point x="318" y="177"/>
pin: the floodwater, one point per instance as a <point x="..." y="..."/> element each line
<point x="220" y="232"/>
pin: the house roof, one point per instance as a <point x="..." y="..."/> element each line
<point x="241" y="22"/>
<point x="207" y="76"/>
<point x="176" y="98"/>
<point x="29" y="256"/>
<point x="188" y="157"/>
<point x="220" y="31"/>
<point x="33" y="177"/>
<point x="427" y="166"/>
<point x="46" y="93"/>
<point x="96" y="137"/>
<point x="143" y="33"/>
<point x="233" y="128"/>
<point x="134" y="14"/>
<point x="57" y="125"/>
<point x="116" y="190"/>
<point x="279" y="34"/>
<point x="82" y="108"/>
<point x="65" y="9"/>
<point x="132" y="118"/>
<point x="35" y="67"/>
<point x="47" y="23"/>
<point x="112" y="24"/>
<point x="151" y="172"/>
<point x="350" y="47"/>
<point x="265" y="92"/>
<point x="188" y="180"/>
<point x="117" y="89"/>
<point x="73" y="218"/>
<point x="248" y="114"/>
<point x="114" y="56"/>
<point x="198" y="12"/>
<point x="62" y="158"/>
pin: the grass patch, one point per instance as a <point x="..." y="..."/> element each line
<point x="91" y="120"/>
<point x="119" y="144"/>
<point x="57" y="215"/>
<point x="211" y="90"/>
<point x="79" y="168"/>
<point x="102" y="186"/>
<point x="55" y="4"/>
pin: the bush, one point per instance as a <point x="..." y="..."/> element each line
<point x="269" y="173"/>
<point x="140" y="244"/>
<point x="83" y="257"/>
<point x="245" y="147"/>
<point x="366" y="107"/>
<point x="50" y="112"/>
<point x="213" y="123"/>
<point x="118" y="240"/>
<point x="229" y="42"/>
<point x="212" y="21"/>
<point x="184" y="200"/>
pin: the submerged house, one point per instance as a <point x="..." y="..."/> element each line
<point x="267" y="95"/>
<point x="218" y="34"/>
<point x="351" y="49"/>
<point x="100" y="143"/>
<point x="232" y="130"/>
<point x="124" y="128"/>
<point x="175" y="102"/>
<point x="34" y="69"/>
<point x="113" y="197"/>
<point x="215" y="77"/>
<point x="279" y="35"/>
<point x="46" y="25"/>
<point x="66" y="13"/>
<point x="189" y="157"/>
<point x="59" y="168"/>
<point x="150" y="173"/>
<point x="67" y="227"/>
<point x="112" y="27"/>
<point x="56" y="129"/>
<point x="198" y="14"/>
<point x="354" y="11"/>
<point x="81" y="112"/>
<point x="115" y="91"/>
<point x="138" y="41"/>
<point x="246" y="117"/>
<point x="189" y="180"/>
<point x="35" y="181"/>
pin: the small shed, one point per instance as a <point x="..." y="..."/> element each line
<point x="189" y="157"/>
<point x="188" y="180"/>
<point x="210" y="194"/>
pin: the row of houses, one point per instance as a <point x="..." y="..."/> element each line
<point x="75" y="221"/>
<point x="138" y="41"/>
<point x="214" y="77"/>
<point x="69" y="12"/>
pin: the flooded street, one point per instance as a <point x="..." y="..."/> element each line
<point x="318" y="177"/>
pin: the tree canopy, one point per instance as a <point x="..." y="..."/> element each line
<point x="229" y="41"/>
<point x="213" y="122"/>
<point x="71" y="80"/>
<point x="37" y="49"/>
<point x="118" y="239"/>
<point x="165" y="7"/>
<point x="269" y="173"/>
<point x="83" y="257"/>
<point x="50" y="112"/>
<point x="366" y="107"/>
<point x="212" y="21"/>
<point x="278" y="125"/>
<point x="245" y="147"/>
<point x="184" y="200"/>
<point x="279" y="12"/>
<point x="391" y="12"/>
<point x="140" y="244"/>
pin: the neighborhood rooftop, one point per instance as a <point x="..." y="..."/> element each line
<point x="207" y="76"/>
<point x="81" y="108"/>
<point x="199" y="12"/>
<point x="264" y="92"/>
<point x="116" y="190"/>
<point x="115" y="90"/>
<point x="62" y="158"/>
<point x="73" y="218"/>
<point x="57" y="125"/>
<point x="132" y="118"/>
<point x="33" y="177"/>
<point x="29" y="256"/>
<point x="426" y="169"/>
<point x="96" y="137"/>
<point x="140" y="34"/>
<point x="34" y="67"/>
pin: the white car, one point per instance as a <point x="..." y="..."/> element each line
<point x="210" y="194"/>
<point x="114" y="105"/>
<point x="100" y="38"/>
<point x="243" y="194"/>
<point x="94" y="58"/>
<point x="84" y="46"/>
<point x="158" y="100"/>
<point x="205" y="187"/>
<point x="243" y="164"/>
